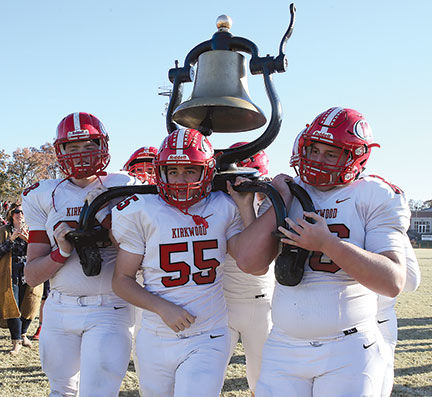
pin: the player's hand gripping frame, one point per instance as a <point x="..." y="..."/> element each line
<point x="89" y="237"/>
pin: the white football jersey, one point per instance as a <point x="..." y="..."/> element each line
<point x="244" y="286"/>
<point x="68" y="199"/>
<point x="182" y="261"/>
<point x="368" y="213"/>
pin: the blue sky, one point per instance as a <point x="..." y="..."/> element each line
<point x="109" y="58"/>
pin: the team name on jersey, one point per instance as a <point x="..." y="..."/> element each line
<point x="327" y="213"/>
<point x="73" y="211"/>
<point x="192" y="231"/>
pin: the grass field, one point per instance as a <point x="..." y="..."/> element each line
<point x="22" y="376"/>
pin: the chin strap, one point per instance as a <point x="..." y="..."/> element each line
<point x="97" y="174"/>
<point x="53" y="192"/>
<point x="199" y="220"/>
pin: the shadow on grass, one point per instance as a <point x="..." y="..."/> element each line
<point x="411" y="322"/>
<point x="235" y="384"/>
<point x="238" y="359"/>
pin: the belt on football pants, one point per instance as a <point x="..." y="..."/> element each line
<point x="316" y="342"/>
<point x="93" y="300"/>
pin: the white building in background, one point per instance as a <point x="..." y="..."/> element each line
<point x="421" y="227"/>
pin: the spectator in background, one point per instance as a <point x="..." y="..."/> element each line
<point x="19" y="303"/>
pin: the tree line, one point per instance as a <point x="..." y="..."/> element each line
<point x="418" y="205"/>
<point x="24" y="167"/>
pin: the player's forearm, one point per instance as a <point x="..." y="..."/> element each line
<point x="38" y="270"/>
<point x="255" y="247"/>
<point x="383" y="273"/>
<point x="247" y="215"/>
<point x="128" y="289"/>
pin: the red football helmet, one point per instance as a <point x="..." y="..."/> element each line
<point x="81" y="127"/>
<point x="185" y="147"/>
<point x="259" y="161"/>
<point x="141" y="164"/>
<point x="343" y="128"/>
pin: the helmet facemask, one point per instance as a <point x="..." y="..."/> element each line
<point x="82" y="127"/>
<point x="184" y="195"/>
<point x="144" y="169"/>
<point x="83" y="164"/>
<point x="344" y="129"/>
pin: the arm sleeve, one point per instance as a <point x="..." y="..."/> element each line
<point x="264" y="206"/>
<point x="413" y="276"/>
<point x="127" y="229"/>
<point x="34" y="207"/>
<point x="236" y="224"/>
<point x="116" y="179"/>
<point x="386" y="220"/>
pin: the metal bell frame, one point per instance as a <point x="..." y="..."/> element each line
<point x="224" y="40"/>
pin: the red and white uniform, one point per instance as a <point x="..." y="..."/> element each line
<point x="329" y="313"/>
<point x="386" y="316"/>
<point x="248" y="300"/>
<point x="183" y="264"/>
<point x="82" y="316"/>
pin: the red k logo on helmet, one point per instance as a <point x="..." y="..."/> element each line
<point x="363" y="130"/>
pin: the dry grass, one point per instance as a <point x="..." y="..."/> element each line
<point x="22" y="375"/>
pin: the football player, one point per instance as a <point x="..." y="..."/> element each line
<point x="180" y="238"/>
<point x="248" y="297"/>
<point x="325" y="340"/>
<point x="141" y="164"/>
<point x="85" y="341"/>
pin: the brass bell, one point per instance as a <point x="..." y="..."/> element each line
<point x="220" y="97"/>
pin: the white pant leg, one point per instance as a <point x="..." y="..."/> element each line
<point x="252" y="320"/>
<point x="205" y="363"/>
<point x="105" y="350"/>
<point x="349" y="366"/>
<point x="86" y="345"/>
<point x="155" y="363"/>
<point x="387" y="324"/>
<point x="189" y="367"/>
<point x="60" y="348"/>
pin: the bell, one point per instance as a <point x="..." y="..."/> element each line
<point x="220" y="97"/>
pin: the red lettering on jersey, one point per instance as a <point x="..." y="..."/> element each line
<point x="29" y="189"/>
<point x="123" y="204"/>
<point x="193" y="231"/>
<point x="207" y="267"/>
<point x="318" y="261"/>
<point x="73" y="211"/>
<point x="327" y="213"/>
<point x="181" y="268"/>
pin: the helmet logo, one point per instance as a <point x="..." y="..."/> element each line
<point x="78" y="134"/>
<point x="362" y="130"/>
<point x="323" y="134"/>
<point x="205" y="146"/>
<point x="177" y="157"/>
